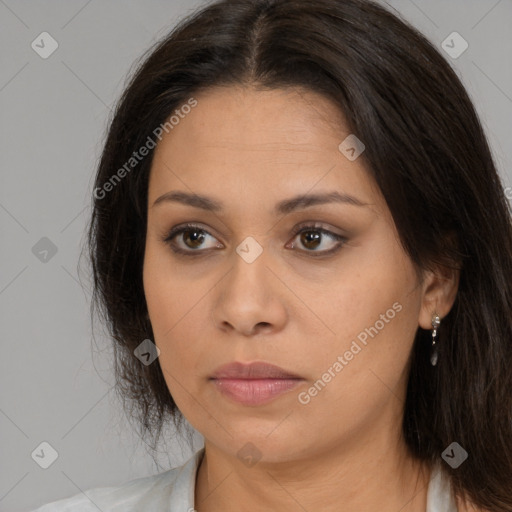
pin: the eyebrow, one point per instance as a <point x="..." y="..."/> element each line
<point x="283" y="207"/>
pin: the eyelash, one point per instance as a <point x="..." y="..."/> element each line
<point x="301" y="229"/>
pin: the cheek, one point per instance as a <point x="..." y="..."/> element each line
<point x="371" y="305"/>
<point x="374" y="345"/>
<point x="170" y="294"/>
<point x="172" y="304"/>
<point x="374" y="314"/>
<point x="181" y="360"/>
<point x="355" y="381"/>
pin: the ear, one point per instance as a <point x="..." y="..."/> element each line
<point x="440" y="288"/>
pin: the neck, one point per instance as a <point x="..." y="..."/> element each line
<point x="379" y="474"/>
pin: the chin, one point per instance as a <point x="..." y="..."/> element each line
<point x="255" y="444"/>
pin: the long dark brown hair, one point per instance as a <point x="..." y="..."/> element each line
<point x="426" y="150"/>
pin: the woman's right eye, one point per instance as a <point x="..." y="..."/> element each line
<point x="191" y="235"/>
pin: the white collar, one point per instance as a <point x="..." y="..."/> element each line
<point x="439" y="496"/>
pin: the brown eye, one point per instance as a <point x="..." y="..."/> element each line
<point x="312" y="237"/>
<point x="189" y="239"/>
<point x="195" y="236"/>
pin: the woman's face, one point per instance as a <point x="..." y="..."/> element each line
<point x="339" y="315"/>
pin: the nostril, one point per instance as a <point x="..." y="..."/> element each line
<point x="262" y="326"/>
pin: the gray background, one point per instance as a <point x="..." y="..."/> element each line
<point x="55" y="380"/>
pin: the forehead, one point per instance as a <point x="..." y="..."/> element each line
<point x="246" y="118"/>
<point x="258" y="143"/>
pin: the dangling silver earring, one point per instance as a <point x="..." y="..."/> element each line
<point x="436" y="322"/>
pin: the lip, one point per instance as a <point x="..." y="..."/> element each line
<point x="256" y="370"/>
<point x="253" y="384"/>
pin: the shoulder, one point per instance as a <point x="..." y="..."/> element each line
<point x="109" y="498"/>
<point x="147" y="493"/>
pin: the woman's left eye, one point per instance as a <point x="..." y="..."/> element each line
<point x="311" y="237"/>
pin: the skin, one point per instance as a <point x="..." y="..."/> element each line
<point x="341" y="451"/>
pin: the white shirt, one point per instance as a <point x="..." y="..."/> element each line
<point x="173" y="491"/>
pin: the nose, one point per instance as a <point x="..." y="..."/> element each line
<point x="250" y="299"/>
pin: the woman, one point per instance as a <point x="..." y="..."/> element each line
<point x="301" y="245"/>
